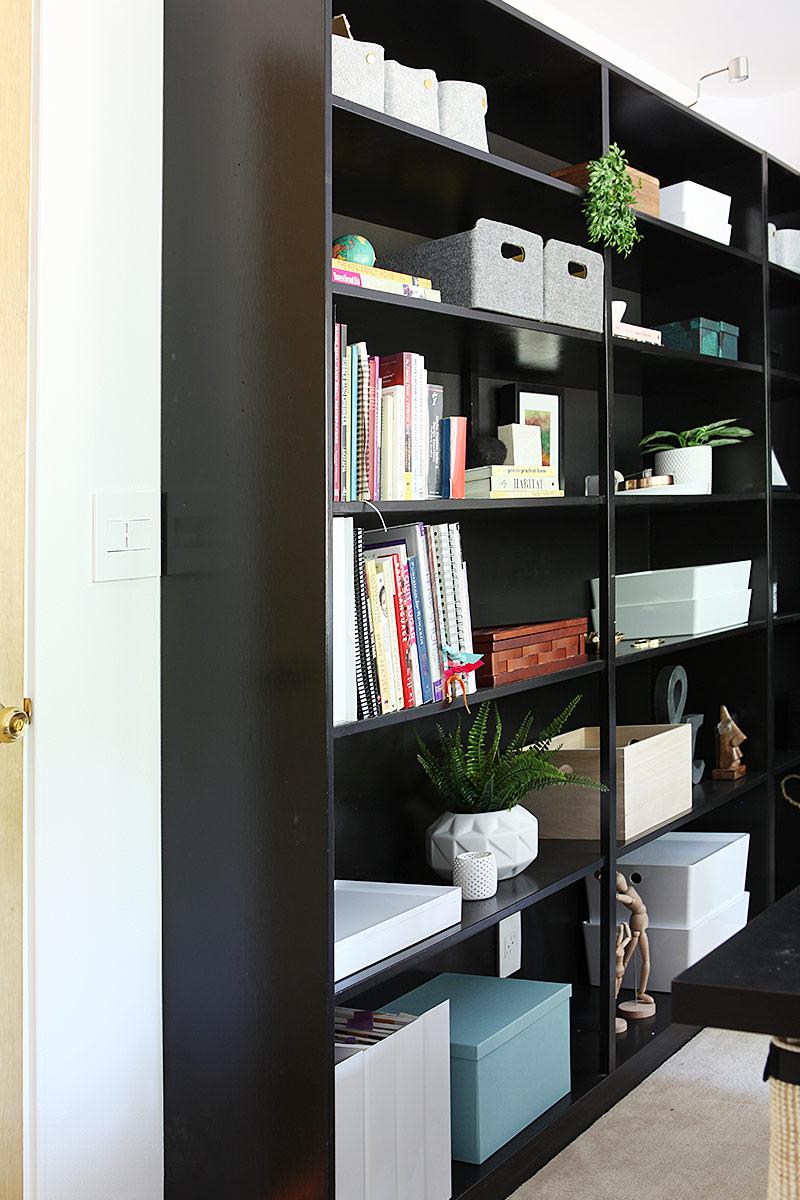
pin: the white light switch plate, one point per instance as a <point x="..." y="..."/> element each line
<point x="127" y="535"/>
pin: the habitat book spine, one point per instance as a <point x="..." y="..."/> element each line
<point x="496" y="494"/>
<point x="342" y="264"/>
<point x="512" y="487"/>
<point x="353" y="279"/>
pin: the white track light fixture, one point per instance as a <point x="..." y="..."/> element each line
<point x="737" y="70"/>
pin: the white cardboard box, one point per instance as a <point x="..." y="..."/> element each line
<point x="374" y="920"/>
<point x="682" y="877"/>
<point x="672" y="949"/>
<point x="393" y="1114"/>
<point x="679" y="583"/>
<point x="689" y="196"/>
<point x="681" y="618"/>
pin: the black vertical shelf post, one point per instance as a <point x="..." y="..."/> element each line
<point x="771" y="572"/>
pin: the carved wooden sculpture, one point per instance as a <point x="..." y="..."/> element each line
<point x="729" y="756"/>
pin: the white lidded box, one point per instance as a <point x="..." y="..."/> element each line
<point x="682" y="877"/>
<point x="673" y="948"/>
<point x="695" y="198"/>
<point x="679" y="583"/>
<point x="697" y="223"/>
<point x="374" y="920"/>
<point x="392" y="1103"/>
<point x="654" y="781"/>
<point x="681" y="618"/>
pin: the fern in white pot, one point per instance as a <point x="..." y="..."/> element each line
<point x="687" y="456"/>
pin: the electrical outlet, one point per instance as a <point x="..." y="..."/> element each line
<point x="509" y="946"/>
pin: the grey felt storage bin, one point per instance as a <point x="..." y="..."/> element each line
<point x="493" y="266"/>
<point x="462" y="112"/>
<point x="357" y="71"/>
<point x="411" y="94"/>
<point x="573" y="286"/>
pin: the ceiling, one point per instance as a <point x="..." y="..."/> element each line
<point x="685" y="39"/>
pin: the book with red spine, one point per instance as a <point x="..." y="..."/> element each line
<point x="398" y="370"/>
<point x="458" y="457"/>
<point x="403" y="643"/>
<point x="411" y="628"/>
<point x="337" y="411"/>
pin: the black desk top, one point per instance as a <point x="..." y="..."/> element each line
<point x="752" y="981"/>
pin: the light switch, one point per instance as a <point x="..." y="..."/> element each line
<point x="127" y="535"/>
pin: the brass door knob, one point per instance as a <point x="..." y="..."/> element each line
<point x="14" y="722"/>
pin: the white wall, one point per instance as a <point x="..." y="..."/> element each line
<point x="95" y="1129"/>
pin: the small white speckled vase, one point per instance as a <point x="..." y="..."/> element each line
<point x="476" y="874"/>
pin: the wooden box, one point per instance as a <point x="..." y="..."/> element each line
<point x="648" y="195"/>
<point x="515" y="652"/>
<point x="654" y="782"/>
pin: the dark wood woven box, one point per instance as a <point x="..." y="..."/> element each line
<point x="514" y="652"/>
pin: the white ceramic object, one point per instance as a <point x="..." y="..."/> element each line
<point x="411" y="94"/>
<point x="475" y="872"/>
<point x="687" y="464"/>
<point x="512" y="836"/>
<point x="462" y="112"/>
<point x="357" y="71"/>
<point x="679" y="583"/>
<point x="374" y="920"/>
<point x="673" y="949"/>
<point x="682" y="877"/>
<point x="718" y="231"/>
<point x="689" y="196"/>
<point x="681" y="618"/>
<point x="786" y="244"/>
<point x="618" y="311"/>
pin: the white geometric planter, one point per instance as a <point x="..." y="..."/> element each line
<point x="689" y="465"/>
<point x="512" y="836"/>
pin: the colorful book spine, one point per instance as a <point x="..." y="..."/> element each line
<point x="435" y="414"/>
<point x="411" y="630"/>
<point x="376" y="593"/>
<point x="444" y="457"/>
<point x="403" y="641"/>
<point x="354" y="279"/>
<point x="354" y="422"/>
<point x="372" y="429"/>
<point x="344" y="491"/>
<point x="381" y="272"/>
<point x="387" y="575"/>
<point x="368" y="700"/>
<point x="362" y="422"/>
<point x="419" y="626"/>
<point x="337" y="411"/>
<point x="458" y="456"/>
<point x="398" y="370"/>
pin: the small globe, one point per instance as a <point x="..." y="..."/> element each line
<point x="352" y="247"/>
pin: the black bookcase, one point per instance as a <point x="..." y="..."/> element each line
<point x="264" y="800"/>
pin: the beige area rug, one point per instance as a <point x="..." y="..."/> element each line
<point x="696" y="1129"/>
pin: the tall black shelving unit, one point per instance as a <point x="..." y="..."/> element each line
<point x="265" y="801"/>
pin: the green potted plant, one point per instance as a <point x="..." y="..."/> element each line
<point x="609" y="205"/>
<point x="479" y="787"/>
<point x="687" y="455"/>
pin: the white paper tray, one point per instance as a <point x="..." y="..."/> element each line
<point x="374" y="920"/>
<point x="679" y="583"/>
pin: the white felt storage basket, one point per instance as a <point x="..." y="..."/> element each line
<point x="672" y="949"/>
<point x="357" y="71"/>
<point x="411" y="94"/>
<point x="682" y="877"/>
<point x="681" y="618"/>
<point x="785" y="246"/>
<point x="393" y="1113"/>
<point x="462" y="112"/>
<point x="679" y="583"/>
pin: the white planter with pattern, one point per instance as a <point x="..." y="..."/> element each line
<point x="512" y="836"/>
<point x="688" y="465"/>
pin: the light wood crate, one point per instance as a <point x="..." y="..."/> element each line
<point x="654" y="782"/>
<point x="647" y="187"/>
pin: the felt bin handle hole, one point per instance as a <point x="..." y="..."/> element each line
<point x="508" y="250"/>
<point x="577" y="270"/>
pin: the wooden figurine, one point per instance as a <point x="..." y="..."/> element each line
<point x="624" y="936"/>
<point x="642" y="1005"/>
<point x="729" y="756"/>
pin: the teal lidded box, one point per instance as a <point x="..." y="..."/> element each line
<point x="509" y="1054"/>
<point x="702" y="336"/>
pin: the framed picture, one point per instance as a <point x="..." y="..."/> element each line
<point x="543" y="409"/>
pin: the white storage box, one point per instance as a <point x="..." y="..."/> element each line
<point x="393" y="1114"/>
<point x="697" y="223"/>
<point x="682" y="877"/>
<point x="695" y="198"/>
<point x="673" y="949"/>
<point x="374" y="920"/>
<point x="681" y="618"/>
<point x="679" y="583"/>
<point x="785" y="248"/>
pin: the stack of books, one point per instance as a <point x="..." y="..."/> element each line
<point x="381" y="280"/>
<point x="400" y="597"/>
<point x="503" y="483"/>
<point x="391" y="440"/>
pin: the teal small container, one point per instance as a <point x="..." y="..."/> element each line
<point x="701" y="335"/>
<point x="728" y="341"/>
<point x="509" y="1054"/>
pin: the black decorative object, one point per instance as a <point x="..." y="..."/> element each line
<point x="669" y="702"/>
<point x="485" y="452"/>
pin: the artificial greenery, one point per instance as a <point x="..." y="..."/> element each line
<point x="718" y="433"/>
<point x="608" y="206"/>
<point x="477" y="778"/>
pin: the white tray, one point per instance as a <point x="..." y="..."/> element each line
<point x="374" y="920"/>
<point x="673" y="950"/>
<point x="682" y="877"/>
<point x="679" y="583"/>
<point x="681" y="618"/>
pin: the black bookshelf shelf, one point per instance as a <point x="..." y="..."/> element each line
<point x="786" y="760"/>
<point x="786" y="618"/>
<point x="626" y="653"/>
<point x="659" y="368"/>
<point x="632" y="504"/>
<point x="449" y="336"/>
<point x="558" y="865"/>
<point x="455" y="509"/>
<point x="784" y="385"/>
<point x="784" y="286"/>
<point x="424" y="711"/>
